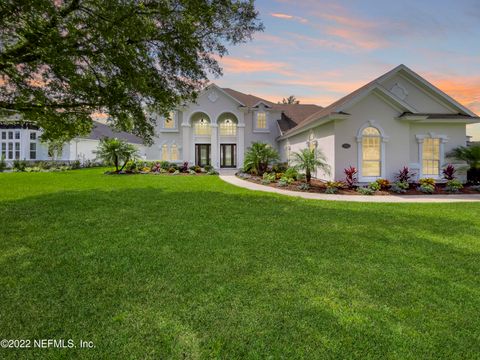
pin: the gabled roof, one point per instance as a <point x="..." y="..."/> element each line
<point x="340" y="105"/>
<point x="294" y="114"/>
<point x="101" y="130"/>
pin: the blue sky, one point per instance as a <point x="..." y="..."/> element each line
<point x="322" y="50"/>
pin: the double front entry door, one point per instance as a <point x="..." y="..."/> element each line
<point x="228" y="155"/>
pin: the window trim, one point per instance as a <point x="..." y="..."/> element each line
<point x="175" y="123"/>
<point x="383" y="140"/>
<point x="420" y="140"/>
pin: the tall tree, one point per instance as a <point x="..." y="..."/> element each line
<point x="290" y="100"/>
<point x="63" y="60"/>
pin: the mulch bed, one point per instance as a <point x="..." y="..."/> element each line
<point x="318" y="186"/>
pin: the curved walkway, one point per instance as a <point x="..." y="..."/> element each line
<point x="232" y="179"/>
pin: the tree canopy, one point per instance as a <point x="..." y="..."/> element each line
<point x="290" y="100"/>
<point x="63" y="60"/>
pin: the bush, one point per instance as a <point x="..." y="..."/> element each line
<point x="405" y="175"/>
<point x="184" y="167"/>
<point x="374" y="186"/>
<point x="331" y="190"/>
<point x="258" y="157"/>
<point x="283" y="182"/>
<point x="212" y="172"/>
<point x="427" y="181"/>
<point x="400" y="187"/>
<point x="192" y="172"/>
<point x="19" y="165"/>
<point x="3" y="164"/>
<point x="365" y="191"/>
<point x="475" y="188"/>
<point x="350" y="176"/>
<point x="287" y="180"/>
<point x="171" y="170"/>
<point x="279" y="175"/>
<point x="383" y="183"/>
<point x="304" y="186"/>
<point x="426" y="188"/>
<point x="165" y="165"/>
<point x="175" y="172"/>
<point x="291" y="173"/>
<point x="332" y="187"/>
<point x="76" y="165"/>
<point x="280" y="167"/>
<point x="208" y="168"/>
<point x="449" y="172"/>
<point x="269" y="177"/>
<point x="453" y="186"/>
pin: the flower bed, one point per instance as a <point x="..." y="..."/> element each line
<point x="142" y="167"/>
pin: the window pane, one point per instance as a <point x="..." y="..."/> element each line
<point x="174" y="153"/>
<point x="170" y="121"/>
<point x="4" y="135"/>
<point x="228" y="128"/>
<point x="10" y="135"/>
<point x="371" y="168"/>
<point x="202" y="128"/>
<point x="17" y="135"/>
<point x="164" y="152"/>
<point x="261" y="120"/>
<point x="33" y="136"/>
<point x="431" y="157"/>
<point x="371" y="131"/>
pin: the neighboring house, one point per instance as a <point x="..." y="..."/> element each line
<point x="22" y="142"/>
<point x="398" y="119"/>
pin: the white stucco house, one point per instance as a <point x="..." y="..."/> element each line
<point x="396" y="120"/>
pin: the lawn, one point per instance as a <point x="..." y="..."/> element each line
<point x="189" y="267"/>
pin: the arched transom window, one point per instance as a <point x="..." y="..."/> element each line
<point x="371" y="152"/>
<point x="201" y="124"/>
<point x="228" y="128"/>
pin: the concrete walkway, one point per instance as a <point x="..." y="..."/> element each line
<point x="232" y="179"/>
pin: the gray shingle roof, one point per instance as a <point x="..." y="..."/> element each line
<point x="101" y="130"/>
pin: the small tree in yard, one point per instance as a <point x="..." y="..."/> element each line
<point x="471" y="155"/>
<point x="310" y="161"/>
<point x="258" y="157"/>
<point x="115" y="151"/>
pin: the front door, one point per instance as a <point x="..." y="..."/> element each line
<point x="228" y="155"/>
<point x="202" y="154"/>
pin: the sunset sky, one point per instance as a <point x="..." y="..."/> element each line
<point x="321" y="50"/>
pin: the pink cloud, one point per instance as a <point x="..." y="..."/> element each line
<point x="289" y="17"/>
<point x="241" y="65"/>
<point x="465" y="89"/>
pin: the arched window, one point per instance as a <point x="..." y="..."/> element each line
<point x="173" y="152"/>
<point x="165" y="152"/>
<point x="202" y="127"/>
<point x="170" y="121"/>
<point x="371" y="153"/>
<point x="228" y="128"/>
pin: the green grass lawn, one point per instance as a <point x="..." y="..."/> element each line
<point x="189" y="267"/>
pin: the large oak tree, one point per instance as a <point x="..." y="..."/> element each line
<point x="62" y="61"/>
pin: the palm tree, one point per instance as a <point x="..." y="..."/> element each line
<point x="471" y="155"/>
<point x="258" y="157"/>
<point x="114" y="151"/>
<point x="310" y="161"/>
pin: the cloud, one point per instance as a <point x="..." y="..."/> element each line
<point x="241" y="65"/>
<point x="289" y="17"/>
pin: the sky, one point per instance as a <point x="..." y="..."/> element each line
<point x="322" y="50"/>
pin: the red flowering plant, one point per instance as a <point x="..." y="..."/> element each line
<point x="350" y="176"/>
<point x="449" y="172"/>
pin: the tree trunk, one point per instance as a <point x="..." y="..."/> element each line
<point x="308" y="175"/>
<point x="116" y="163"/>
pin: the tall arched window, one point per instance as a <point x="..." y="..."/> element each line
<point x="173" y="152"/>
<point x="165" y="152"/>
<point x="228" y="128"/>
<point x="371" y="153"/>
<point x="202" y="127"/>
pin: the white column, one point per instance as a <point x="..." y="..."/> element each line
<point x="186" y="143"/>
<point x="215" y="161"/>
<point x="240" y="144"/>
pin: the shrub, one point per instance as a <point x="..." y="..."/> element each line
<point x="350" y="176"/>
<point x="426" y="188"/>
<point x="156" y="167"/>
<point x="3" y="164"/>
<point x="212" y="172"/>
<point x="19" y="165"/>
<point x="171" y="170"/>
<point x="268" y="178"/>
<point x="427" y="181"/>
<point x="449" y="172"/>
<point x="330" y="190"/>
<point x="374" y="186"/>
<point x="471" y="155"/>
<point x="208" y="168"/>
<point x="301" y="177"/>
<point x="184" y="167"/>
<point x="76" y="165"/>
<point x="333" y="186"/>
<point x="291" y="173"/>
<point x="165" y="165"/>
<point x="400" y="187"/>
<point x="475" y="188"/>
<point x="383" y="183"/>
<point x="405" y="175"/>
<point x="365" y="191"/>
<point x="175" y="172"/>
<point x="279" y="175"/>
<point x="198" y="169"/>
<point x="283" y="182"/>
<point x="453" y="186"/>
<point x="304" y="186"/>
<point x="279" y="167"/>
<point x="258" y="157"/>
<point x="192" y="172"/>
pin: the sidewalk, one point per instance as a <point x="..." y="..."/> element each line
<point x="232" y="179"/>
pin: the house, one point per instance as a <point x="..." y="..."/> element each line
<point x="396" y="120"/>
<point x="21" y="141"/>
